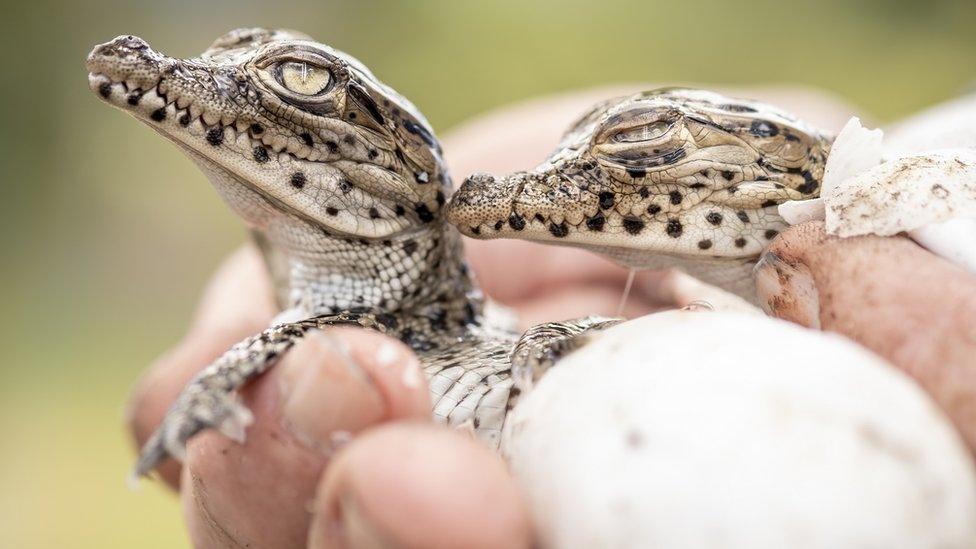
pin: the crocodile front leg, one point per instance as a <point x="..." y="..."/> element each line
<point x="210" y="401"/>
<point x="541" y="346"/>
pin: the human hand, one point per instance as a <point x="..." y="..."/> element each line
<point x="915" y="309"/>
<point x="400" y="482"/>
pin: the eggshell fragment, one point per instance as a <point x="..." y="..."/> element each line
<point x="904" y="194"/>
<point x="855" y="150"/>
<point x="930" y="195"/>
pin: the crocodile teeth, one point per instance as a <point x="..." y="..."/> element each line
<point x="195" y="128"/>
<point x="211" y="118"/>
<point x="299" y="150"/>
<point x="278" y="143"/>
<point x="152" y="100"/>
<point x="574" y="217"/>
<point x="243" y="140"/>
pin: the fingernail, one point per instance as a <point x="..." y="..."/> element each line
<point x="699" y="305"/>
<point x="787" y="290"/>
<point x="355" y="530"/>
<point x="347" y="527"/>
<point x="324" y="395"/>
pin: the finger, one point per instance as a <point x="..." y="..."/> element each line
<point x="582" y="300"/>
<point x="237" y="303"/>
<point x="330" y="387"/>
<point x="889" y="294"/>
<point x="418" y="486"/>
<point x="679" y="290"/>
<point x="515" y="270"/>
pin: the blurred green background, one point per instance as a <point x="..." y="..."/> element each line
<point x="109" y="233"/>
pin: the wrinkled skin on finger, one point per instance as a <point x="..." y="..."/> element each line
<point x="908" y="305"/>
<point x="356" y="506"/>
<point x="330" y="387"/>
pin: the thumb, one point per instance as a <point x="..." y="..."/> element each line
<point x="412" y="484"/>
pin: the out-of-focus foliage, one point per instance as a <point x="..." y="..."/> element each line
<point x="108" y="232"/>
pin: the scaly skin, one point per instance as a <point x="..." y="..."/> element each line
<point x="342" y="182"/>
<point x="671" y="177"/>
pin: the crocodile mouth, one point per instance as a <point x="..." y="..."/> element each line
<point x="180" y="117"/>
<point x="129" y="75"/>
<point x="551" y="208"/>
<point x="152" y="106"/>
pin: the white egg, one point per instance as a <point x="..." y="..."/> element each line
<point x="719" y="430"/>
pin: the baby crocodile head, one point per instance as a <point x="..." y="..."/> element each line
<point x="340" y="177"/>
<point x="290" y="131"/>
<point x="678" y="172"/>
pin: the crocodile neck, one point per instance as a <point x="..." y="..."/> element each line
<point x="400" y="274"/>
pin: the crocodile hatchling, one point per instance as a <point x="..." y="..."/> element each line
<point x="343" y="185"/>
<point x="342" y="182"/>
<point x="671" y="177"/>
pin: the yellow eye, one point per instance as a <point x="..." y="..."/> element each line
<point x="300" y="77"/>
<point x="642" y="133"/>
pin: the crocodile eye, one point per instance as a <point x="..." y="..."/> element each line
<point x="303" y="78"/>
<point x="642" y="133"/>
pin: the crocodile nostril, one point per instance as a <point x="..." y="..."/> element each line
<point x="119" y="52"/>
<point x="131" y="42"/>
<point x="479" y="180"/>
<point x="119" y="47"/>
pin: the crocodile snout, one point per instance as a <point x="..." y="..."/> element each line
<point x="474" y="187"/>
<point x="481" y="199"/>
<point x="122" y="48"/>
<point x="118" y="47"/>
<point x="127" y="58"/>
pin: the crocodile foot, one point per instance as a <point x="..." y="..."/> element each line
<point x="541" y="346"/>
<point x="196" y="409"/>
<point x="210" y="399"/>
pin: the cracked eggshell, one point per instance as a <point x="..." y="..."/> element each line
<point x="721" y="430"/>
<point x="855" y="150"/>
<point x="930" y="195"/>
<point x="904" y="194"/>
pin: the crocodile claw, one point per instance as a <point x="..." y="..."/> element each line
<point x="192" y="413"/>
